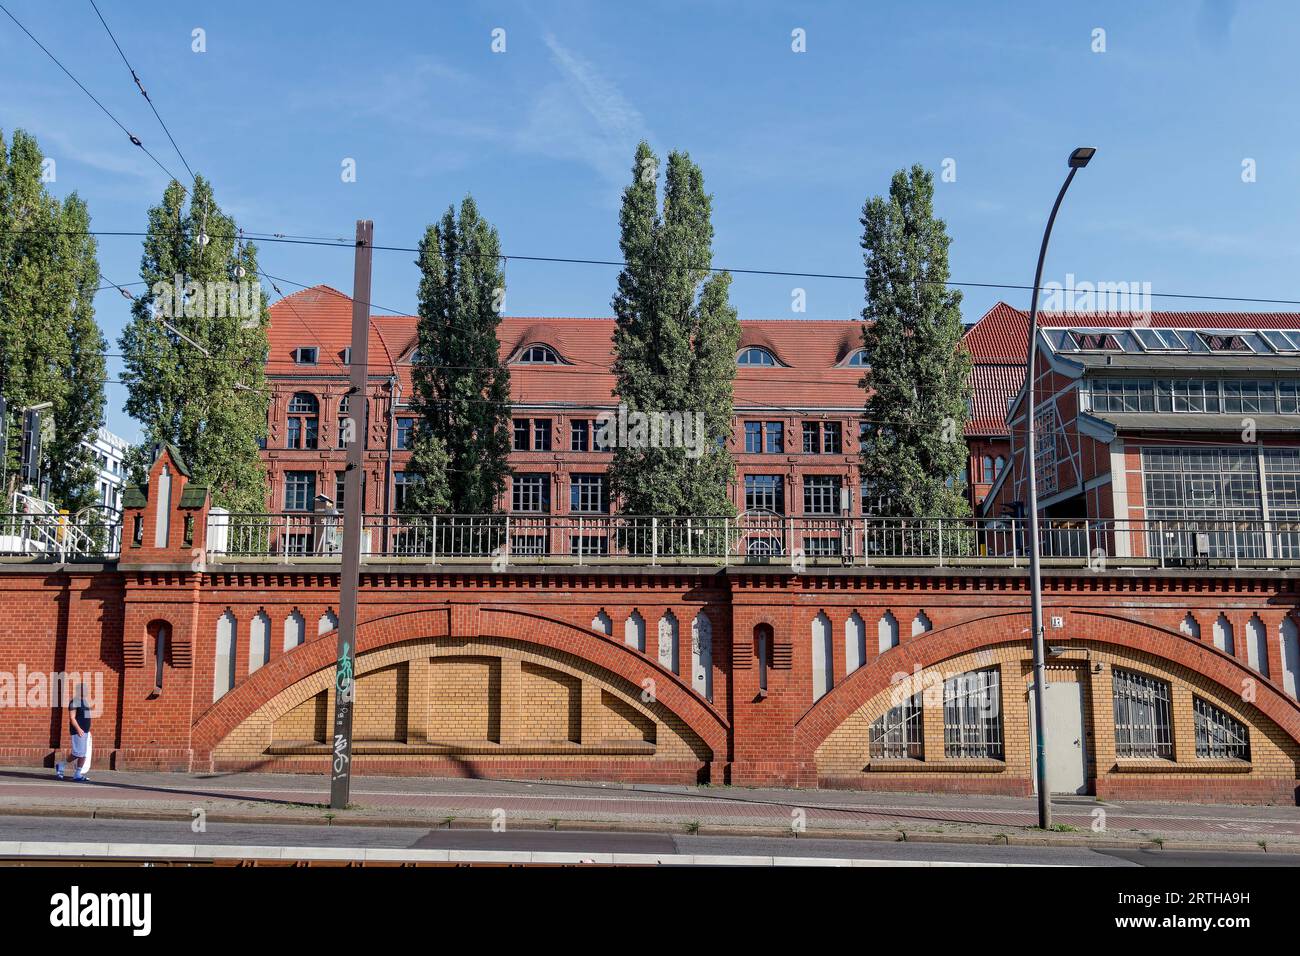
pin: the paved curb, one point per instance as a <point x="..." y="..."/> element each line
<point x="1024" y="838"/>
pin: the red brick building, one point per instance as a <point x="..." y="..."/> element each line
<point x="798" y="408"/>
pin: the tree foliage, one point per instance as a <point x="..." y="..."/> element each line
<point x="201" y="384"/>
<point x="913" y="451"/>
<point x="675" y="341"/>
<point x="51" y="349"/>
<point x="462" y="388"/>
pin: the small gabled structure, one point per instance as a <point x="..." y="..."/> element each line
<point x="163" y="522"/>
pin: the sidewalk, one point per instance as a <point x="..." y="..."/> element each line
<point x="432" y="802"/>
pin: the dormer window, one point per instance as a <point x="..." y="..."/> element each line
<point x="859" y="359"/>
<point x="538" y="355"/>
<point x="347" y="355"/>
<point x="305" y="355"/>
<point x="754" y="355"/>
<point x="414" y="357"/>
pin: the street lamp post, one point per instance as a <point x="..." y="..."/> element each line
<point x="1078" y="159"/>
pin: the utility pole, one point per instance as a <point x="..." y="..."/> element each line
<point x="353" y="490"/>
<point x="1078" y="159"/>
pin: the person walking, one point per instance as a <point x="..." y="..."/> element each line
<point x="79" y="725"/>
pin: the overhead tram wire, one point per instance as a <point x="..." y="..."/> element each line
<point x="135" y="140"/>
<point x="143" y="92"/>
<point x="1015" y="287"/>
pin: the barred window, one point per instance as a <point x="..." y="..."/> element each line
<point x="972" y="715"/>
<point x="1142" y="726"/>
<point x="896" y="734"/>
<point x="1219" y="736"/>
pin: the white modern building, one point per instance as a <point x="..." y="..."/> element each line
<point x="110" y="455"/>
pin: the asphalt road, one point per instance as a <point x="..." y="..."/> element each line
<point x="65" y="830"/>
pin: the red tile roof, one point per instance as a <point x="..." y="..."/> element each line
<point x="810" y="350"/>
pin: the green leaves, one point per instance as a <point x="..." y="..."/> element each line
<point x="913" y="452"/>
<point x="675" y="341"/>
<point x="207" y="395"/>
<point x="462" y="388"/>
<point x="51" y="349"/>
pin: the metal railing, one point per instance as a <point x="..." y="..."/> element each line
<point x="503" y="539"/>
<point x="43" y="533"/>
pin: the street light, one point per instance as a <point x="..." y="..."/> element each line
<point x="1078" y="159"/>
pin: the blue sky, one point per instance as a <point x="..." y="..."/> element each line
<point x="790" y="143"/>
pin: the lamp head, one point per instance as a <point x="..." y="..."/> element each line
<point x="1081" y="157"/>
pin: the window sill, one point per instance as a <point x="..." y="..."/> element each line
<point x="1201" y="765"/>
<point x="946" y="765"/>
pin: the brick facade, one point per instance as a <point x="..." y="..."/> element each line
<point x="536" y="672"/>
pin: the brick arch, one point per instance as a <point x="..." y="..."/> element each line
<point x="934" y="647"/>
<point x="463" y="621"/>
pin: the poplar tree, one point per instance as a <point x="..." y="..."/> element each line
<point x="200" y="384"/>
<point x="913" y="449"/>
<point x="675" y="341"/>
<point x="462" y="388"/>
<point x="51" y="349"/>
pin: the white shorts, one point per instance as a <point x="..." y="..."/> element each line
<point x="81" y="745"/>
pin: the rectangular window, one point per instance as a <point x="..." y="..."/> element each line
<point x="811" y="438"/>
<point x="765" y="493"/>
<point x="1207" y="489"/>
<point x="340" y="486"/>
<point x="1219" y="736"/>
<point x="821" y="495"/>
<point x="774" y="438"/>
<point x="896" y="734"/>
<point x="822" y="546"/>
<point x="593" y="544"/>
<point x="972" y="715"/>
<point x="832" y="441"/>
<point x="1244" y="397"/>
<point x="528" y="545"/>
<point x="405" y="432"/>
<point x="541" y="434"/>
<point x="587" y="494"/>
<point x="580" y="434"/>
<point x="753" y="437"/>
<point x="305" y="355"/>
<point x="299" y="490"/>
<point x="401" y="485"/>
<point x="520" y="441"/>
<point x="294" y="433"/>
<point x="1141" y="716"/>
<point x="1288" y="396"/>
<point x="531" y="494"/>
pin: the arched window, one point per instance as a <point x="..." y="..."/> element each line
<point x="763" y="639"/>
<point x="160" y="633"/>
<point x="1142" y="707"/>
<point x="1219" y="735"/>
<point x="998" y="464"/>
<point x="754" y="355"/>
<point x="304" y="420"/>
<point x="538" y="355"/>
<point x="986" y="468"/>
<point x="859" y="359"/>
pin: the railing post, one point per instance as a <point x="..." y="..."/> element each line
<point x="866" y="550"/>
<point x="580" y="548"/>
<point x="505" y="545"/>
<point x="1236" y="546"/>
<point x="726" y="541"/>
<point x="654" y="541"/>
<point x="433" y="545"/>
<point x="940" y="542"/>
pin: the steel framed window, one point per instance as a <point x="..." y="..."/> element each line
<point x="587" y="494"/>
<point x="753" y="437"/>
<point x="580" y="434"/>
<point x="1142" y="727"/>
<point x="821" y="495"/>
<point x="1249" y="397"/>
<point x="896" y="734"/>
<point x="832" y="441"/>
<point x="765" y="493"/>
<point x="299" y="490"/>
<point x="774" y="437"/>
<point x="972" y="715"/>
<point x="811" y="438"/>
<point x="1219" y="736"/>
<point x="531" y="494"/>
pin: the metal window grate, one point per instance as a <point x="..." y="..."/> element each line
<point x="972" y="715"/>
<point x="1219" y="736"/>
<point x="896" y="734"/>
<point x="1142" y="726"/>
